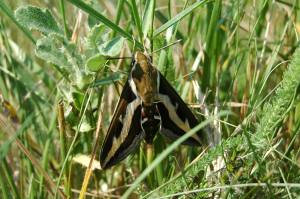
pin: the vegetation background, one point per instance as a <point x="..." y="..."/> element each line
<point x="235" y="63"/>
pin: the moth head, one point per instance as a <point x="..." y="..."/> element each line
<point x="144" y="78"/>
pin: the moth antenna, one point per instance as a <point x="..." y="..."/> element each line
<point x="112" y="58"/>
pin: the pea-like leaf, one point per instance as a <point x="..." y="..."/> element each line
<point x="95" y="63"/>
<point x="113" y="47"/>
<point x="98" y="35"/>
<point x="51" y="49"/>
<point x="56" y="50"/>
<point x="37" y="19"/>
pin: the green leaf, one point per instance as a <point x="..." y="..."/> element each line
<point x="85" y="126"/>
<point x="37" y="19"/>
<point x="95" y="63"/>
<point x="98" y="35"/>
<point x="83" y="79"/>
<point x="9" y="13"/>
<point x="77" y="98"/>
<point x="56" y="50"/>
<point x="80" y="4"/>
<point x="113" y="47"/>
<point x="51" y="49"/>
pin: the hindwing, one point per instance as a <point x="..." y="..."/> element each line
<point x="176" y="117"/>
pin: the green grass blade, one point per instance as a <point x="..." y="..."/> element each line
<point x="63" y="13"/>
<point x="137" y="19"/>
<point x="4" y="8"/>
<point x="178" y="17"/>
<point x="3" y="185"/>
<point x="120" y="8"/>
<point x="148" y="19"/>
<point x="10" y="178"/>
<point x="80" y="4"/>
<point x="209" y="69"/>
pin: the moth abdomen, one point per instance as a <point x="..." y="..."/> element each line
<point x="150" y="122"/>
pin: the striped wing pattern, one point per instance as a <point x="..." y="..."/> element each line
<point x="124" y="133"/>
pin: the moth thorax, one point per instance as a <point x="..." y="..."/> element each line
<point x="144" y="76"/>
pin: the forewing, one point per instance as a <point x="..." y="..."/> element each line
<point x="124" y="133"/>
<point x="176" y="117"/>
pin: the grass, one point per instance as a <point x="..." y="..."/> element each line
<point x="236" y="63"/>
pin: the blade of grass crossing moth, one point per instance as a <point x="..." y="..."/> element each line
<point x="85" y="7"/>
<point x="137" y="19"/>
<point x="179" y="16"/>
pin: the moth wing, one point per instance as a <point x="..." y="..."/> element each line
<point x="176" y="117"/>
<point x="124" y="133"/>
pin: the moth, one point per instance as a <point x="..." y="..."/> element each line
<point x="148" y="104"/>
